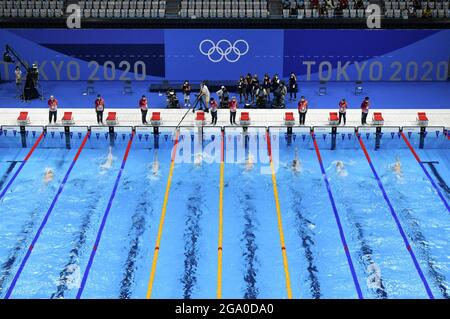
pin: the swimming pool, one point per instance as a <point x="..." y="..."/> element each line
<point x="223" y="214"/>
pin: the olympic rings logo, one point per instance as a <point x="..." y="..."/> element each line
<point x="224" y="49"/>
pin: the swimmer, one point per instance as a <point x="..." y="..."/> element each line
<point x="48" y="175"/>
<point x="340" y="170"/>
<point x="397" y="167"/>
<point x="155" y="165"/>
<point x="296" y="162"/>
<point x="198" y="160"/>
<point x="109" y="160"/>
<point x="249" y="162"/>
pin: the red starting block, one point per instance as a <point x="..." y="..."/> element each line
<point x="23" y="118"/>
<point x="244" y="119"/>
<point x="112" y="118"/>
<point x="67" y="119"/>
<point x="422" y="119"/>
<point x="200" y="118"/>
<point x="289" y="119"/>
<point x="377" y="118"/>
<point x="156" y="118"/>
<point x="333" y="119"/>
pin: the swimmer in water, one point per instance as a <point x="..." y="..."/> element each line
<point x="155" y="165"/>
<point x="397" y="167"/>
<point x="198" y="160"/>
<point x="340" y="170"/>
<point x="48" y="175"/>
<point x="296" y="162"/>
<point x="109" y="160"/>
<point x="249" y="162"/>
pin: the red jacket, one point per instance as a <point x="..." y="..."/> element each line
<point x="213" y="106"/>
<point x="233" y="106"/>
<point x="342" y="107"/>
<point x="99" y="104"/>
<point x="143" y="104"/>
<point x="303" y="106"/>
<point x="52" y="104"/>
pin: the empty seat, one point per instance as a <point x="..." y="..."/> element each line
<point x="377" y="118"/>
<point x="67" y="119"/>
<point x="422" y="119"/>
<point x="289" y="119"/>
<point x="244" y="119"/>
<point x="23" y="118"/>
<point x="333" y="119"/>
<point x="156" y="118"/>
<point x="112" y="118"/>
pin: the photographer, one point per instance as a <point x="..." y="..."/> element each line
<point x="248" y="88"/>
<point x="241" y="88"/>
<point x="172" y="100"/>
<point x="224" y="97"/>
<point x="267" y="85"/>
<point x="293" y="89"/>
<point x="255" y="84"/>
<point x="203" y="98"/>
<point x="261" y="97"/>
<point x="186" y="88"/>
<point x="18" y="74"/>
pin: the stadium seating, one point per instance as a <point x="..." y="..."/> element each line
<point x="32" y="9"/>
<point x="224" y="9"/>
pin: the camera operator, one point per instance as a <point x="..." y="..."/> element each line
<point x="203" y="98"/>
<point x="293" y="89"/>
<point x="224" y="97"/>
<point x="241" y="88"/>
<point x="186" y="88"/>
<point x="261" y="97"/>
<point x="279" y="94"/>
<point x="255" y="83"/>
<point x="248" y="88"/>
<point x="172" y="100"/>
<point x="267" y="85"/>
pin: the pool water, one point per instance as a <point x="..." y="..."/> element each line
<point x="131" y="216"/>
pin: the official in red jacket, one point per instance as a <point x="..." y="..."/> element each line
<point x="364" y="110"/>
<point x="99" y="108"/>
<point x="342" y="111"/>
<point x="302" y="109"/>
<point x="143" y="105"/>
<point x="52" y="109"/>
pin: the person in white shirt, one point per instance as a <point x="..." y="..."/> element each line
<point x="203" y="98"/>
<point x="18" y="74"/>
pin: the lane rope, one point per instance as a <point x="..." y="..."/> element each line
<point x="44" y="221"/>
<point x="105" y="216"/>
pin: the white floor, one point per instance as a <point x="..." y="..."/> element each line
<point x="127" y="117"/>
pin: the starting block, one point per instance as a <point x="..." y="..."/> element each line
<point x="289" y="119"/>
<point x="67" y="119"/>
<point x="422" y="119"/>
<point x="23" y="118"/>
<point x="200" y="118"/>
<point x="156" y="118"/>
<point x="112" y="118"/>
<point x="377" y="118"/>
<point x="333" y="119"/>
<point x="244" y="119"/>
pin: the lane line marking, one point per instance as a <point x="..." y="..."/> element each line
<point x="396" y="219"/>
<point x="416" y="156"/>
<point x="105" y="216"/>
<point x="338" y="220"/>
<point x="44" y="221"/>
<point x="279" y="220"/>
<point x="35" y="145"/>
<point x="163" y="216"/>
<point x="220" y="241"/>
